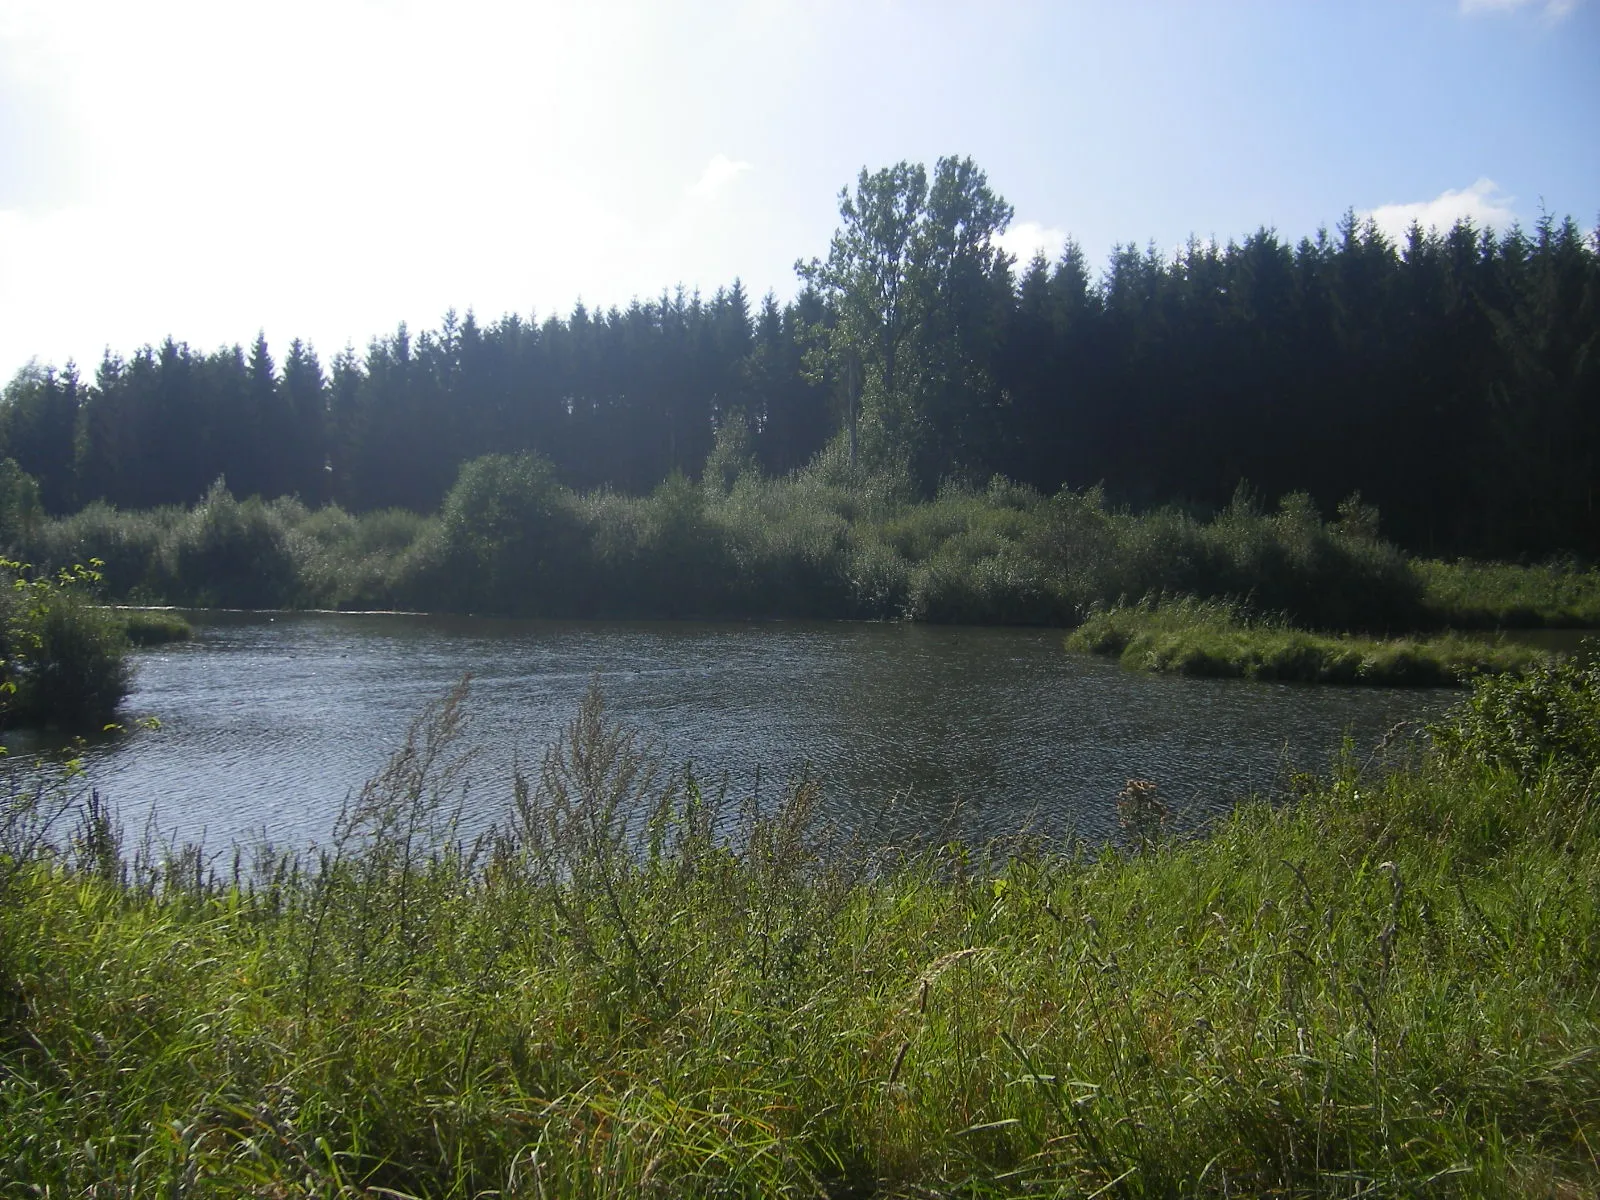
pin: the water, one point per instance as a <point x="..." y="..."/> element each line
<point x="268" y="722"/>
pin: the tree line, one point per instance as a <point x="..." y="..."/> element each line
<point x="1453" y="379"/>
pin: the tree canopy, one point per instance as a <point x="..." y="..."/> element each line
<point x="1453" y="379"/>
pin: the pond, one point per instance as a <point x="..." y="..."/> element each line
<point x="268" y="722"/>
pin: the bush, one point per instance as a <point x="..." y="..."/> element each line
<point x="684" y="563"/>
<point x="1326" y="576"/>
<point x="131" y="548"/>
<point x="63" y="658"/>
<point x="829" y="541"/>
<point x="347" y="561"/>
<point x="1551" y="716"/>
<point x="20" y="509"/>
<point x="510" y="537"/>
<point x="791" y="552"/>
<point x="233" y="554"/>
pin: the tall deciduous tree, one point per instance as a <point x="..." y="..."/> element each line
<point x="911" y="278"/>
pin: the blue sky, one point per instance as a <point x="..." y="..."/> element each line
<point x="329" y="169"/>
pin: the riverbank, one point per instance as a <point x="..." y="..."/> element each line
<point x="1386" y="985"/>
<point x="824" y="542"/>
<point x="1216" y="639"/>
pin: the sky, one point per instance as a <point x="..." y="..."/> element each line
<point x="326" y="170"/>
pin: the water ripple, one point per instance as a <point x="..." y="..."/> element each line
<point x="269" y="723"/>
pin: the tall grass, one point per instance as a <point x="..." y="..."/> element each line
<point x="1504" y="596"/>
<point x="631" y="988"/>
<point x="153" y="627"/>
<point x="1220" y="639"/>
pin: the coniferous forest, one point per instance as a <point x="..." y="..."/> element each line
<point x="1453" y="380"/>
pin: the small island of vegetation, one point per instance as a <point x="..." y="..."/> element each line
<point x="1220" y="640"/>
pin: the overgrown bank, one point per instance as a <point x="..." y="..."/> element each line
<point x="1384" y="987"/>
<point x="823" y="542"/>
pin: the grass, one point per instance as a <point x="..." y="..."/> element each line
<point x="1469" y="595"/>
<point x="1221" y="640"/>
<point x="1384" y="987"/>
<point x="153" y="627"/>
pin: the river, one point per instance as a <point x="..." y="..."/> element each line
<point x="268" y="722"/>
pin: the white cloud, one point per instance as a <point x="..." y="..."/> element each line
<point x="1026" y="238"/>
<point x="1551" y="10"/>
<point x="714" y="180"/>
<point x="1483" y="204"/>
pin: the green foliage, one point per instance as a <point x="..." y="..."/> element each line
<point x="733" y="456"/>
<point x="1449" y="378"/>
<point x="63" y="658"/>
<point x="829" y="541"/>
<point x="510" y="537"/>
<point x="683" y="559"/>
<point x="793" y="554"/>
<point x="1549" y="718"/>
<point x="1334" y="576"/>
<point x="361" y="561"/>
<point x="134" y="548"/>
<point x="1221" y="639"/>
<point x="153" y="627"/>
<point x="1470" y="595"/>
<point x="915" y="280"/>
<point x="232" y="554"/>
<point x="20" y="510"/>
<point x="633" y="989"/>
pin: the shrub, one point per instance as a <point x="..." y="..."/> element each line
<point x="510" y="536"/>
<point x="20" y="509"/>
<point x="1549" y="716"/>
<point x="1327" y="576"/>
<point x="684" y="564"/>
<point x="880" y="581"/>
<point x="348" y="561"/>
<point x="129" y="546"/>
<point x="233" y="554"/>
<point x="789" y="559"/>
<point x="63" y="658"/>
